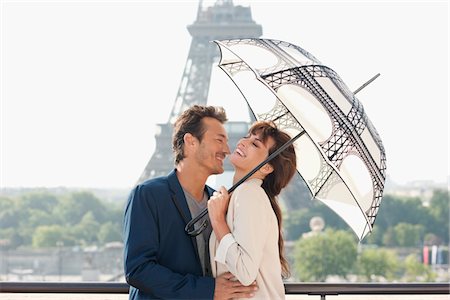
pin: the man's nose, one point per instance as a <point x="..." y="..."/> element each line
<point x="227" y="149"/>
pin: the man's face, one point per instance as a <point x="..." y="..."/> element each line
<point x="213" y="148"/>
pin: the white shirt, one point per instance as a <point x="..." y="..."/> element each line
<point x="250" y="251"/>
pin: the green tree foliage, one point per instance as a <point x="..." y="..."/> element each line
<point x="432" y="219"/>
<point x="394" y="210"/>
<point x="328" y="253"/>
<point x="9" y="213"/>
<point x="439" y="210"/>
<point x="41" y="201"/>
<point x="109" y="232"/>
<point x="297" y="221"/>
<point x="87" y="229"/>
<point x="377" y="262"/>
<point x="416" y="271"/>
<point x="375" y="237"/>
<point x="404" y="235"/>
<point x="41" y="219"/>
<point x="49" y="236"/>
<point x="72" y="209"/>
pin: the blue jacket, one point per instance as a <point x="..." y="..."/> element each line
<point x="160" y="259"/>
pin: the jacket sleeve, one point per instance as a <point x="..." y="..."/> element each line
<point x="141" y="244"/>
<point x="242" y="250"/>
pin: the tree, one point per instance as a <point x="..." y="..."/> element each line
<point x="86" y="231"/>
<point x="49" y="236"/>
<point x="297" y="221"/>
<point x="404" y="235"/>
<point x="416" y="270"/>
<point x="406" y="210"/>
<point x="377" y="262"/>
<point x="43" y="201"/>
<point x="394" y="210"/>
<point x="71" y="209"/>
<point x="439" y="209"/>
<point x="375" y="237"/>
<point x="328" y="253"/>
<point x="39" y="217"/>
<point x="9" y="213"/>
<point x="109" y="232"/>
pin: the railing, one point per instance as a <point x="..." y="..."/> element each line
<point x="320" y="289"/>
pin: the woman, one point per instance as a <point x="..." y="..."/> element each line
<point x="246" y="238"/>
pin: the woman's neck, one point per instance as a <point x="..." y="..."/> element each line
<point x="238" y="174"/>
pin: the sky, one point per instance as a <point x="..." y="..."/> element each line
<point x="83" y="83"/>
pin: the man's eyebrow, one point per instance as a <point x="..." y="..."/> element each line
<point x="222" y="135"/>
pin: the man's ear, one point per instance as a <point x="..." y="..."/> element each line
<point x="266" y="169"/>
<point x="189" y="139"/>
<point x="189" y="144"/>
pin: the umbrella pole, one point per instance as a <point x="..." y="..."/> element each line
<point x="366" y="84"/>
<point x="190" y="226"/>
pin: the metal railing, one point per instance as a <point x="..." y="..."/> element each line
<point x="320" y="289"/>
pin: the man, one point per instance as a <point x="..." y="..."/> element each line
<point x="160" y="259"/>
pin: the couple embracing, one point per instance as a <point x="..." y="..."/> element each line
<point x="240" y="254"/>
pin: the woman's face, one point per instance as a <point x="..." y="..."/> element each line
<point x="250" y="151"/>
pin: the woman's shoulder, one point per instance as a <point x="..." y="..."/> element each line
<point x="250" y="189"/>
<point x="252" y="184"/>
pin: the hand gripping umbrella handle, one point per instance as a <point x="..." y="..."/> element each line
<point x="190" y="226"/>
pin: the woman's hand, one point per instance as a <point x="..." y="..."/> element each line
<point x="217" y="211"/>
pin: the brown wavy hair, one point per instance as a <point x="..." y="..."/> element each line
<point x="284" y="167"/>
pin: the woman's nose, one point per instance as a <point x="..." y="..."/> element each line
<point x="241" y="143"/>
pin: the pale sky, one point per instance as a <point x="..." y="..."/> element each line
<point x="83" y="83"/>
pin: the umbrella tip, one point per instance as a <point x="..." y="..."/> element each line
<point x="367" y="83"/>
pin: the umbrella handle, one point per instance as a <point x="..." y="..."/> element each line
<point x="190" y="230"/>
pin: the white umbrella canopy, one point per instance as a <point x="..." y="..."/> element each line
<point x="340" y="155"/>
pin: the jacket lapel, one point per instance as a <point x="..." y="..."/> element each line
<point x="180" y="202"/>
<point x="178" y="195"/>
<point x="181" y="205"/>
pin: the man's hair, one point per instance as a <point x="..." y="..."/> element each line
<point x="190" y="121"/>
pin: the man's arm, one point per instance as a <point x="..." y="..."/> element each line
<point x="142" y="270"/>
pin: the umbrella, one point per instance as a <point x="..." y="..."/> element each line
<point x="340" y="155"/>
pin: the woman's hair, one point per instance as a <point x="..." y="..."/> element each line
<point x="190" y="121"/>
<point x="284" y="167"/>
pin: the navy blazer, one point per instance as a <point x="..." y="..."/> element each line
<point x="160" y="258"/>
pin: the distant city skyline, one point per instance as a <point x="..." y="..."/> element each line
<point x="83" y="84"/>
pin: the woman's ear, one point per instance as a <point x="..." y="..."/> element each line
<point x="266" y="169"/>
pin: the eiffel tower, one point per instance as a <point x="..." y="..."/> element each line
<point x="222" y="20"/>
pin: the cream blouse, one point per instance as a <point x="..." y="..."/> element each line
<point x="250" y="251"/>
